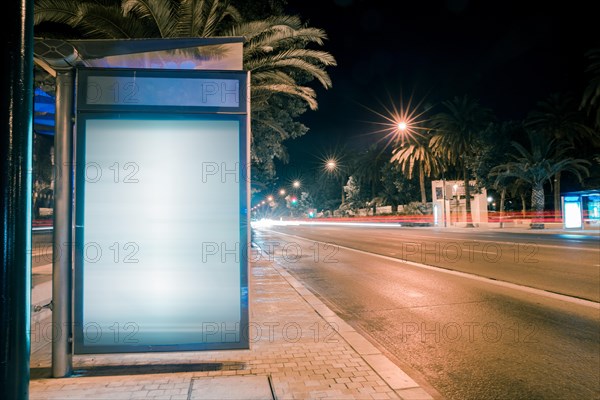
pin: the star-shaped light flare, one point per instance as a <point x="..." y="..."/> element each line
<point x="401" y="124"/>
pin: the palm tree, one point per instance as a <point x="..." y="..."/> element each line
<point x="510" y="185"/>
<point x="559" y="118"/>
<point x="390" y="194"/>
<point x="518" y="187"/>
<point x="418" y="153"/>
<point x="537" y="165"/>
<point x="492" y="145"/>
<point x="275" y="51"/>
<point x="454" y="132"/>
<point x="94" y="19"/>
<point x="367" y="169"/>
<point x="591" y="96"/>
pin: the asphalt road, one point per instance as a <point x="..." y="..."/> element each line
<point x="568" y="264"/>
<point x="463" y="335"/>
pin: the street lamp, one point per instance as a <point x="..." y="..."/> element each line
<point x="296" y="184"/>
<point x="403" y="129"/>
<point x="282" y="192"/>
<point x="331" y="166"/>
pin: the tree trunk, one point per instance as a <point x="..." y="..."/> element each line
<point x="422" y="184"/>
<point x="523" y="205"/>
<point x="373" y="188"/>
<point x="394" y="208"/>
<point x="557" y="202"/>
<point x="502" y="198"/>
<point x="537" y="198"/>
<point x="467" y="199"/>
<point x="537" y="203"/>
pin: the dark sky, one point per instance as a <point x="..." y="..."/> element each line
<point x="509" y="56"/>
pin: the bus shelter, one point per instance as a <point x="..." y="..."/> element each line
<point x="581" y="209"/>
<point x="151" y="194"/>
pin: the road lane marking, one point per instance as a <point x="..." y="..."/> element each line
<point x="527" y="289"/>
<point x="420" y="235"/>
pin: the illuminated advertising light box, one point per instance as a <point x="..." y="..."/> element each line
<point x="161" y="211"/>
<point x="572" y="212"/>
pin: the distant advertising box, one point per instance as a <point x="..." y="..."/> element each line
<point x="161" y="215"/>
<point x="572" y="212"/>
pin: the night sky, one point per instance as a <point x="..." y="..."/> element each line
<point x="507" y="56"/>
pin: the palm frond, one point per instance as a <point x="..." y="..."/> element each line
<point x="299" y="59"/>
<point x="58" y="11"/>
<point x="283" y="37"/>
<point x="276" y="76"/>
<point x="271" y="124"/>
<point x="159" y="13"/>
<point x="252" y="29"/>
<point x="305" y="93"/>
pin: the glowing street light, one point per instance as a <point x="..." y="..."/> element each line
<point x="282" y="192"/>
<point x="296" y="184"/>
<point x="401" y="122"/>
<point x="270" y="198"/>
<point x="331" y="165"/>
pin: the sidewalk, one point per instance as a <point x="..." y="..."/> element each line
<point x="300" y="350"/>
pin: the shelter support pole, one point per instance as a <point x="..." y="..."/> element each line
<point x="62" y="273"/>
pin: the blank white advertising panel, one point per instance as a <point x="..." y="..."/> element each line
<point x="161" y="235"/>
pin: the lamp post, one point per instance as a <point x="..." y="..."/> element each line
<point x="457" y="201"/>
<point x="402" y="127"/>
<point x="332" y="167"/>
<point x="444" y="198"/>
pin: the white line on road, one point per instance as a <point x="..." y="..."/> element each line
<point x="528" y="289"/>
<point x="420" y="234"/>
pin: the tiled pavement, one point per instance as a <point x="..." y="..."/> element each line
<point x="299" y="349"/>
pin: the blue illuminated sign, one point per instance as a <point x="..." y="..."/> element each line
<point x="139" y="90"/>
<point x="163" y="92"/>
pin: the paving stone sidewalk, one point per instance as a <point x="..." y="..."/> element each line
<point x="299" y="349"/>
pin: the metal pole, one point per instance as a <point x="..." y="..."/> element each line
<point x="444" y="199"/>
<point x="15" y="202"/>
<point x="62" y="353"/>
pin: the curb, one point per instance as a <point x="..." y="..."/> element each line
<point x="394" y="377"/>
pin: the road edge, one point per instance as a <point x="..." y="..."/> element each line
<point x="402" y="384"/>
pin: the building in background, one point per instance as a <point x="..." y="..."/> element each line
<point x="450" y="204"/>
